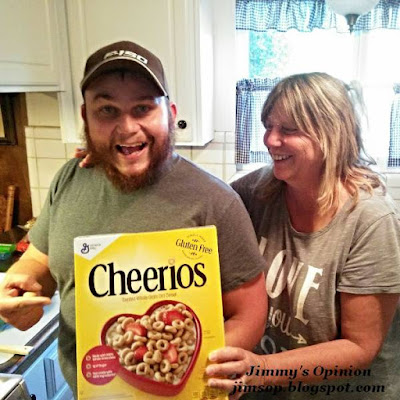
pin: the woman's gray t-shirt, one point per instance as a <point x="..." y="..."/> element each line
<point x="358" y="252"/>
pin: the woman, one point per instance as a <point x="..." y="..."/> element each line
<point x="331" y="240"/>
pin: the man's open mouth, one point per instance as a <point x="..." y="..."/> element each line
<point x="126" y="150"/>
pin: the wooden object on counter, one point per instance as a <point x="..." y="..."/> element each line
<point x="7" y="209"/>
<point x="15" y="349"/>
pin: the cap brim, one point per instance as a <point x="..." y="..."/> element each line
<point x="120" y="63"/>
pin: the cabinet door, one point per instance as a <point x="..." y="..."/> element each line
<point x="44" y="378"/>
<point x="35" y="379"/>
<point x="54" y="378"/>
<point x="29" y="45"/>
<point x="170" y="29"/>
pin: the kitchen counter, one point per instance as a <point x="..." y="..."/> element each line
<point x="39" y="371"/>
<point x="40" y="374"/>
<point x="40" y="335"/>
<point x="12" y="387"/>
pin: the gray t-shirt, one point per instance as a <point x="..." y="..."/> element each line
<point x="84" y="202"/>
<point x="358" y="253"/>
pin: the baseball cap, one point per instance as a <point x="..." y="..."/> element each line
<point x="125" y="55"/>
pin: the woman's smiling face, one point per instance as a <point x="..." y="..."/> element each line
<point x="298" y="160"/>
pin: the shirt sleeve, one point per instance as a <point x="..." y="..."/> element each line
<point x="240" y="258"/>
<point x="373" y="264"/>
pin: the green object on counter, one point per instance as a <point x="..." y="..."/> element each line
<point x="6" y="250"/>
<point x="7" y="247"/>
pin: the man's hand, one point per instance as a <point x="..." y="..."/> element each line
<point x="21" y="302"/>
<point x="81" y="152"/>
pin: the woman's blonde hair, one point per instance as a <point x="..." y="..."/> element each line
<point x="321" y="107"/>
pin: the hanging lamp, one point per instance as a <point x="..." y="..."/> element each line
<point x="351" y="9"/>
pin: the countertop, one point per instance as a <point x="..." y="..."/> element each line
<point x="40" y="336"/>
<point x="8" y="384"/>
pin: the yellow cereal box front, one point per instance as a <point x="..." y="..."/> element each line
<point x="148" y="313"/>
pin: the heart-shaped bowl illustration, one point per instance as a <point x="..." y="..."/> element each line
<point x="158" y="349"/>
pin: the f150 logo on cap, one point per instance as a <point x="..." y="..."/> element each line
<point x="125" y="53"/>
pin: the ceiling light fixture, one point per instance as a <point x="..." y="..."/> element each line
<point x="351" y="9"/>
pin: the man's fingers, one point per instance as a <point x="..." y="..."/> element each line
<point x="11" y="292"/>
<point x="33" y="301"/>
<point x="22" y="282"/>
<point x="23" y="312"/>
<point x="11" y="303"/>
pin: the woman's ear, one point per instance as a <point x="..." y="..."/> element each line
<point x="83" y="112"/>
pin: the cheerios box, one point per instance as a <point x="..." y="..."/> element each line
<point x="148" y="313"/>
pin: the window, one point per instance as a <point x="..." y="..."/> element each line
<point x="368" y="59"/>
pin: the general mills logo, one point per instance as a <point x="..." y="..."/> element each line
<point x="85" y="248"/>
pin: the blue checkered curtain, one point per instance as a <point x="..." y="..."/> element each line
<point x="386" y="14"/>
<point x="281" y="15"/>
<point x="394" y="145"/>
<point x="250" y="97"/>
<point x="306" y="15"/>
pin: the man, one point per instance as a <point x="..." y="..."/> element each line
<point x="138" y="184"/>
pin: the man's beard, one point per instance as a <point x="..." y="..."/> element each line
<point x="101" y="157"/>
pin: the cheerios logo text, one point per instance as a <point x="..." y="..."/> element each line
<point x="106" y="280"/>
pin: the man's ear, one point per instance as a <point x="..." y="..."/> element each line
<point x="172" y="107"/>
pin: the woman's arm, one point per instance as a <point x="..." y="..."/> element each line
<point x="364" y="325"/>
<point x="245" y="312"/>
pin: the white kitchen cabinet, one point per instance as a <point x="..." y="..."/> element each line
<point x="179" y="32"/>
<point x="29" y="56"/>
<point x="34" y="54"/>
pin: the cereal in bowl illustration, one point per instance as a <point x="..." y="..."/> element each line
<point x="159" y="347"/>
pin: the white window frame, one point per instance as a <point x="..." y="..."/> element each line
<point x="376" y="126"/>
